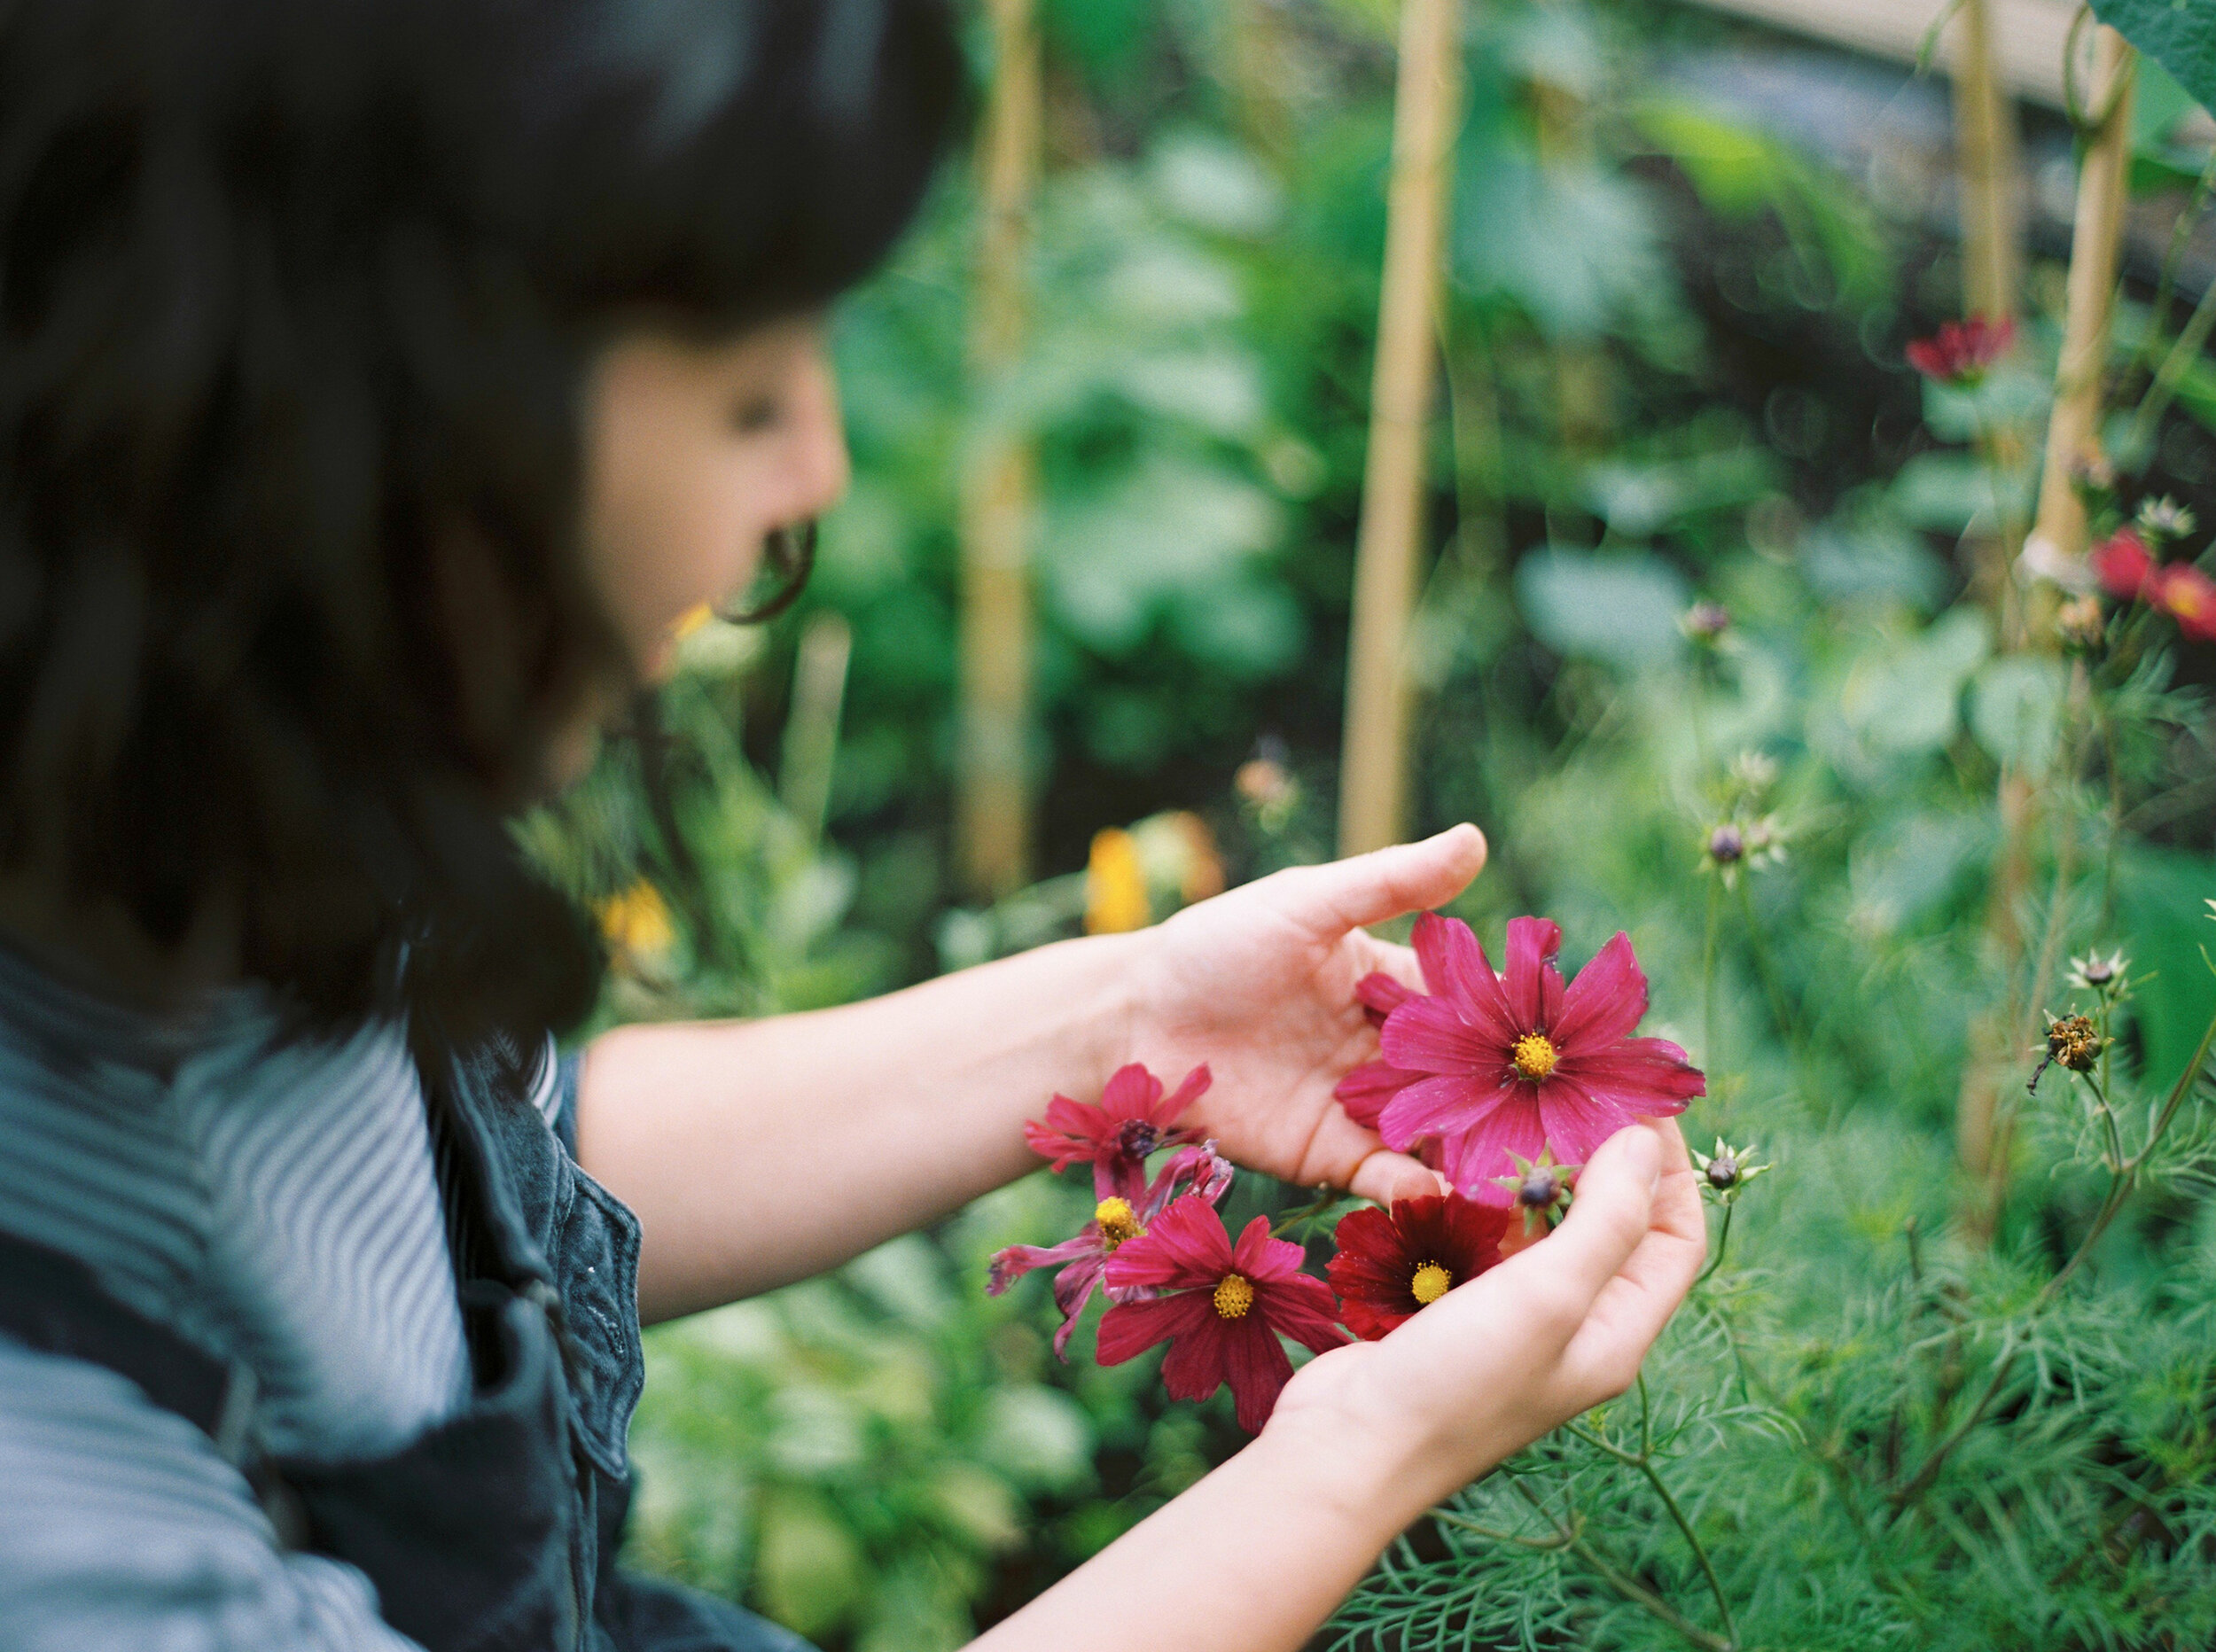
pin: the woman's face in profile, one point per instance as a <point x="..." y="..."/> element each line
<point x="694" y="453"/>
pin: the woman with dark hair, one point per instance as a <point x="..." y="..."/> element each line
<point x="380" y="380"/>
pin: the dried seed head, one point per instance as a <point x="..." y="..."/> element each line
<point x="2073" y="1042"/>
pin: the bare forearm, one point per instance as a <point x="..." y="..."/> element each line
<point x="1252" y="1559"/>
<point x="759" y="1152"/>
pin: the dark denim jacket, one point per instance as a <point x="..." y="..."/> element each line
<point x="496" y="1531"/>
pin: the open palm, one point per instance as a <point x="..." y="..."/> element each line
<point x="1259" y="984"/>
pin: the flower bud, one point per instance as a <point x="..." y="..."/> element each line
<point x="1727" y="845"/>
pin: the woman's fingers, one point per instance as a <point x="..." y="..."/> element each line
<point x="1609" y="1218"/>
<point x="1632" y="1307"/>
<point x="1386" y="1176"/>
<point x="1390" y="958"/>
<point x="1367" y="889"/>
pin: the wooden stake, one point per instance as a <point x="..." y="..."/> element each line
<point x="2072" y="430"/>
<point x="1373" y="784"/>
<point x="993" y="824"/>
<point x="1987" y="168"/>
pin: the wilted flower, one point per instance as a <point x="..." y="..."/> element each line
<point x="1726" y="1170"/>
<point x="2093" y="973"/>
<point x="1511" y="1064"/>
<point x="2073" y="1042"/>
<point x="2080" y="623"/>
<point x="1219" y="1306"/>
<point x="1391" y="1265"/>
<point x="2163" y="519"/>
<point x="2123" y="564"/>
<point x="1706" y="622"/>
<point x="1539" y="1188"/>
<point x="1133" y="1119"/>
<point x="1959" y="352"/>
<point x="1200" y="1172"/>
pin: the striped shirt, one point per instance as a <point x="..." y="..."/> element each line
<point x="274" y="1204"/>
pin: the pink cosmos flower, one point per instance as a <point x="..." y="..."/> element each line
<point x="1517" y="1063"/>
<point x="1365" y="1092"/>
<point x="1133" y="1120"/>
<point x="1200" y="1172"/>
<point x="1959" y="352"/>
<point x="2122" y="564"/>
<point x="1221" y="1307"/>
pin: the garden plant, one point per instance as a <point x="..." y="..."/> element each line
<point x="1804" y="686"/>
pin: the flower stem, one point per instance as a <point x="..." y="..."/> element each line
<point x="1708" y="975"/>
<point x="1723" y="1242"/>
<point x="1636" y="1592"/>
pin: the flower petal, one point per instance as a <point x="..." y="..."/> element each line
<point x="1172" y="1106"/>
<point x="1427" y="1036"/>
<point x="1479" y="1151"/>
<point x="1012" y="1264"/>
<point x="1439" y="1106"/>
<point x="1365" y="1092"/>
<point x="1184" y="1248"/>
<point x="1650" y="1075"/>
<point x="1130" y="1328"/>
<point x="1604" y="1002"/>
<point x="1531" y="944"/>
<point x="1578" y="1120"/>
<point x="1455" y="965"/>
<point x="1131" y="1093"/>
<point x="1261" y="1258"/>
<point x="1200" y="1171"/>
<point x="1379" y="996"/>
<point x="1302" y="1307"/>
<point x="1253" y="1361"/>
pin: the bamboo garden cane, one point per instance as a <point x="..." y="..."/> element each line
<point x="2058" y="536"/>
<point x="993" y="825"/>
<point x="1373" y="773"/>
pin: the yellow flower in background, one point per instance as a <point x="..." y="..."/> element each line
<point x="1115" y="884"/>
<point x="636" y="924"/>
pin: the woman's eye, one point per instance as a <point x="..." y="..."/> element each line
<point x="756" y="415"/>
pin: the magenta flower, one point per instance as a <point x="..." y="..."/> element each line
<point x="1221" y="1307"/>
<point x="1133" y="1120"/>
<point x="1199" y="1171"/>
<point x="1959" y="352"/>
<point x="1365" y="1092"/>
<point x="1517" y="1063"/>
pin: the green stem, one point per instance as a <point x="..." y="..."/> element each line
<point x="1723" y="1243"/>
<point x="2191" y="338"/>
<point x="1630" y="1588"/>
<point x="2165" y="288"/>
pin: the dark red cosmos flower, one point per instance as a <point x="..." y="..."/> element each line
<point x="1515" y="1062"/>
<point x="1133" y="1120"/>
<point x="1219" y="1306"/>
<point x="1959" y="352"/>
<point x="2123" y="563"/>
<point x="1390" y="1267"/>
<point x="1199" y="1171"/>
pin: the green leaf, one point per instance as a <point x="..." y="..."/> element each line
<point x="1623" y="608"/>
<point x="2179" y="35"/>
<point x="2015" y="711"/>
<point x="1906" y="698"/>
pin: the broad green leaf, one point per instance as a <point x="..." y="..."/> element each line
<point x="2179" y="35"/>
<point x="1908" y="698"/>
<point x="2015" y="711"/>
<point x="1621" y="608"/>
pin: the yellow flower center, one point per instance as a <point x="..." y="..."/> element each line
<point x="1533" y="1056"/>
<point x="1431" y="1282"/>
<point x="1117" y="1222"/>
<point x="1234" y="1296"/>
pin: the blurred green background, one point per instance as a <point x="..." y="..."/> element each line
<point x="1685" y="257"/>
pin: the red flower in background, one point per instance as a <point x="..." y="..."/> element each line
<point x="1515" y="1063"/>
<point x="1199" y="1171"/>
<point x="1390" y="1266"/>
<point x="1959" y="352"/>
<point x="2123" y="563"/>
<point x="1133" y="1120"/>
<point x="2187" y="596"/>
<point x="1221" y="1307"/>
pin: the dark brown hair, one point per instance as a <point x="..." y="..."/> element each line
<point x="296" y="301"/>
